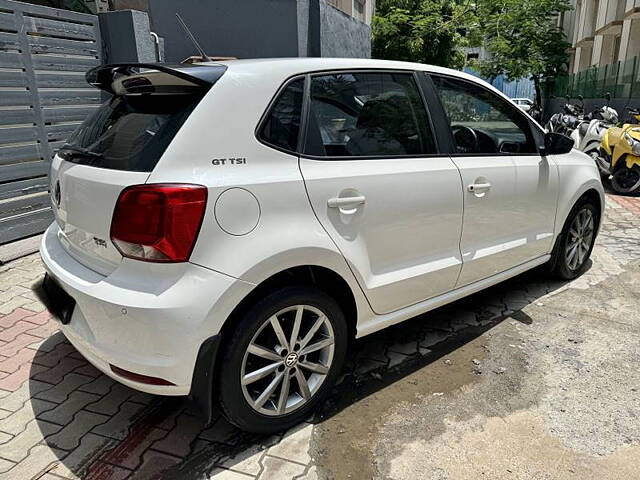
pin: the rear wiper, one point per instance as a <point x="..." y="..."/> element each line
<point x="81" y="150"/>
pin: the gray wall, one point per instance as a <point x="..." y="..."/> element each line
<point x="237" y="28"/>
<point x="259" y="29"/>
<point x="127" y="38"/>
<point x="342" y="35"/>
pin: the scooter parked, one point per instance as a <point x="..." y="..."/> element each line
<point x="620" y="155"/>
<point x="587" y="136"/>
<point x="567" y="121"/>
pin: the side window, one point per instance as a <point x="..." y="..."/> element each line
<point x="482" y="122"/>
<point x="282" y="126"/>
<point x="367" y="114"/>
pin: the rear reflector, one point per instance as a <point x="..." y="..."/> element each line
<point x="158" y="223"/>
<point x="136" y="377"/>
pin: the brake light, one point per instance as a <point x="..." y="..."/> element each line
<point x="158" y="223"/>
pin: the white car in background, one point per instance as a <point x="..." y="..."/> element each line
<point x="524" y="104"/>
<point x="224" y="230"/>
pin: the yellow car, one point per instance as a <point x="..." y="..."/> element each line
<point x="620" y="155"/>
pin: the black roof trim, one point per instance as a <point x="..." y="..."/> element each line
<point x="204" y="75"/>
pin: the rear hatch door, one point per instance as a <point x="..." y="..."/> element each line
<point x="118" y="146"/>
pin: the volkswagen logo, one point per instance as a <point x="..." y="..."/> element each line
<point x="57" y="196"/>
<point x="291" y="359"/>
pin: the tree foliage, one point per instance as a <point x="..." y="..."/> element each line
<point x="523" y="39"/>
<point x="424" y="31"/>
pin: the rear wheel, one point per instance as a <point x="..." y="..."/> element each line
<point x="626" y="180"/>
<point x="575" y="244"/>
<point x="282" y="360"/>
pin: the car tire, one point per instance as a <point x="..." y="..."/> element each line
<point x="570" y="257"/>
<point x="626" y="181"/>
<point x="244" y="359"/>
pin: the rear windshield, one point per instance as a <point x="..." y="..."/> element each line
<point x="130" y="132"/>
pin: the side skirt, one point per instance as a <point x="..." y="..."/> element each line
<point x="383" y="321"/>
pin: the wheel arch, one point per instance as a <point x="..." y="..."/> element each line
<point x="589" y="192"/>
<point x="323" y="278"/>
<point x="578" y="176"/>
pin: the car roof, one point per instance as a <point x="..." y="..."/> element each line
<point x="300" y="65"/>
<point x="289" y="67"/>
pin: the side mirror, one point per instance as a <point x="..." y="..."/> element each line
<point x="556" y="144"/>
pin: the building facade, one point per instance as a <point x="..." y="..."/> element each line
<point x="248" y="28"/>
<point x="361" y="10"/>
<point x="602" y="32"/>
<point x="259" y="28"/>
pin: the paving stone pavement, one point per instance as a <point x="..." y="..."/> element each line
<point x="62" y="418"/>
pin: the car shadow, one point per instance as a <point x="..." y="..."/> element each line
<point x="100" y="429"/>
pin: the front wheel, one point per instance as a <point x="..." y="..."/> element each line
<point x="626" y="180"/>
<point x="282" y="359"/>
<point x="575" y="243"/>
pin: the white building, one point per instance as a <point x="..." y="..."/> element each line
<point x="602" y="32"/>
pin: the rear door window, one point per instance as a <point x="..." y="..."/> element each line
<point x="364" y="114"/>
<point x="130" y="132"/>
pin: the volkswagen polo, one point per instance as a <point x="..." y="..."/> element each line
<point x="224" y="229"/>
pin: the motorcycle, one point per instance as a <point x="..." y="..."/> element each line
<point x="567" y="121"/>
<point x="620" y="155"/>
<point x="587" y="136"/>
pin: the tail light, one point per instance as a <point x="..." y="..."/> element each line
<point x="158" y="223"/>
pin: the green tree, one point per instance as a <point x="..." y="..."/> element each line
<point x="423" y="31"/>
<point x="523" y="39"/>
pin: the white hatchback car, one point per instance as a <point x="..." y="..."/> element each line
<point x="524" y="104"/>
<point x="223" y="230"/>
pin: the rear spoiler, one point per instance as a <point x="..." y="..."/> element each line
<point x="201" y="75"/>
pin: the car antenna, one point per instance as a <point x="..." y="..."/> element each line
<point x="204" y="56"/>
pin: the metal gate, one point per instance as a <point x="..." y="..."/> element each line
<point x="44" y="53"/>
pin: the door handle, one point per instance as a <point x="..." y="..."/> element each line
<point x="338" y="202"/>
<point x="474" y="187"/>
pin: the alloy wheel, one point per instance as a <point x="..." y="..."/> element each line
<point x="287" y="360"/>
<point x="581" y="234"/>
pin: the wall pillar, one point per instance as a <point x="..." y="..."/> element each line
<point x="126" y="36"/>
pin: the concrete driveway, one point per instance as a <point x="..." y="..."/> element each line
<point x="531" y="379"/>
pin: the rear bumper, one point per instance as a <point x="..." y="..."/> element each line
<point x="150" y="319"/>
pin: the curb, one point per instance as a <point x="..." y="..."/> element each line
<point x="21" y="248"/>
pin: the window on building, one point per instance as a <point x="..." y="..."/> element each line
<point x="359" y="9"/>
<point x="616" y="49"/>
<point x="594" y="18"/>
